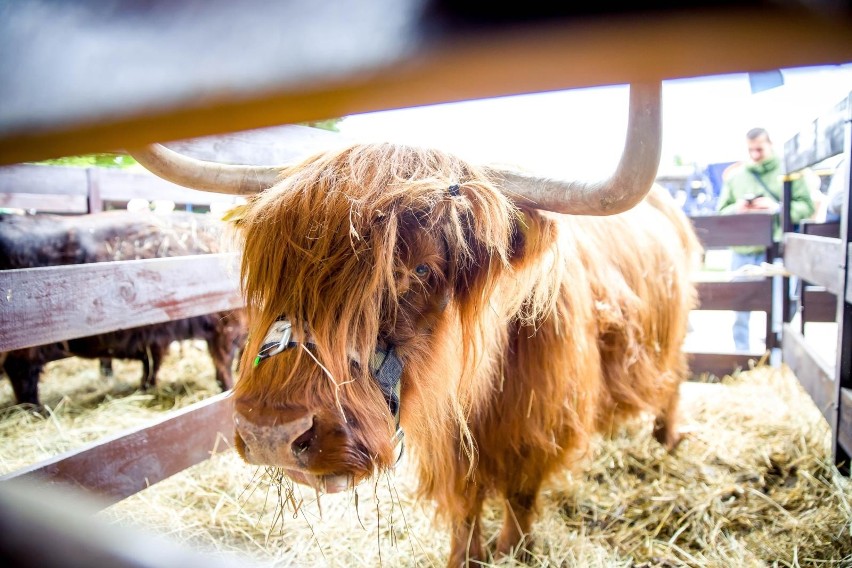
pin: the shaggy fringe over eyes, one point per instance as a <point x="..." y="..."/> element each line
<point x="320" y="246"/>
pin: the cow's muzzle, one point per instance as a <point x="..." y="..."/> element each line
<point x="294" y="438"/>
<point x="289" y="444"/>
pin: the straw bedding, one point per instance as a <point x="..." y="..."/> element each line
<point x="752" y="484"/>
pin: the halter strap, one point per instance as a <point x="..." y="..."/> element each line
<point x="386" y="369"/>
<point x="277" y="340"/>
<point x="384" y="365"/>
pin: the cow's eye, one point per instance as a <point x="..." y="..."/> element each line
<point x="421" y="270"/>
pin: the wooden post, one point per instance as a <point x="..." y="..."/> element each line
<point x="95" y="201"/>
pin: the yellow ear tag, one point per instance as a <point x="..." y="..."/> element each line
<point x="235" y="213"/>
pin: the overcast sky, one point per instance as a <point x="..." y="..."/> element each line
<point x="580" y="133"/>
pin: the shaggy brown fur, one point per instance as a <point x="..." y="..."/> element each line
<point x="28" y="241"/>
<point x="522" y="332"/>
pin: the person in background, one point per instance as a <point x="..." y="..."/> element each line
<point x="836" y="195"/>
<point x="757" y="187"/>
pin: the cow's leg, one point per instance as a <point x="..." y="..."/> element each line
<point x="221" y="348"/>
<point x="106" y="366"/>
<point x="518" y="513"/>
<point x="466" y="544"/>
<point x="666" y="422"/>
<point x="151" y="360"/>
<point x="23" y="375"/>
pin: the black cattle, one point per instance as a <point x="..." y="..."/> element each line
<point x="49" y="240"/>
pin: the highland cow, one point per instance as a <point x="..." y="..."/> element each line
<point x="28" y="241"/>
<point x="499" y="320"/>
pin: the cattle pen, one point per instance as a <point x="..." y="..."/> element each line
<point x="37" y="502"/>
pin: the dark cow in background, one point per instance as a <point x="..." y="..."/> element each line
<point x="498" y="319"/>
<point x="28" y="241"/>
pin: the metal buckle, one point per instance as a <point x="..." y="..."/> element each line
<point x="276" y="340"/>
<point x="399" y="444"/>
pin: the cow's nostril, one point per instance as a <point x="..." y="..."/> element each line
<point x="303" y="443"/>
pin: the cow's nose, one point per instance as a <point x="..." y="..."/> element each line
<point x="277" y="442"/>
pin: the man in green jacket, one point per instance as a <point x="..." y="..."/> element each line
<point x="757" y="187"/>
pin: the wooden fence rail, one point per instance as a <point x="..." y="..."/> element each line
<point x="64" y="189"/>
<point x="72" y="190"/>
<point x="195" y="80"/>
<point x="815" y="302"/>
<point x="728" y="291"/>
<point x="119" y="466"/>
<point x="55" y="303"/>
<point x="821" y="257"/>
<point x="41" y="305"/>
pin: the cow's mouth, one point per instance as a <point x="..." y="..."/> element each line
<point x="323" y="483"/>
<point x="336" y="483"/>
<point x="292" y="439"/>
<point x="274" y="456"/>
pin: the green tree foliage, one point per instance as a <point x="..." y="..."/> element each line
<point x="105" y="160"/>
<point x="330" y="124"/>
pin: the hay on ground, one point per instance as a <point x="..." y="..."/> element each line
<point x="81" y="406"/>
<point x="751" y="485"/>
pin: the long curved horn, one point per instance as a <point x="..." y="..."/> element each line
<point x="633" y="177"/>
<point x="631" y="181"/>
<point x="205" y="176"/>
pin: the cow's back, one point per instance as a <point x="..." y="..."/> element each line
<point x="639" y="265"/>
<point x="28" y="241"/>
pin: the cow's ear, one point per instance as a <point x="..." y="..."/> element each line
<point x="531" y="234"/>
<point x="478" y="222"/>
<point x="476" y="256"/>
<point x="235" y="214"/>
<point x="534" y="233"/>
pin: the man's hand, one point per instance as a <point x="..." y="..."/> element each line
<point x="761" y="204"/>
